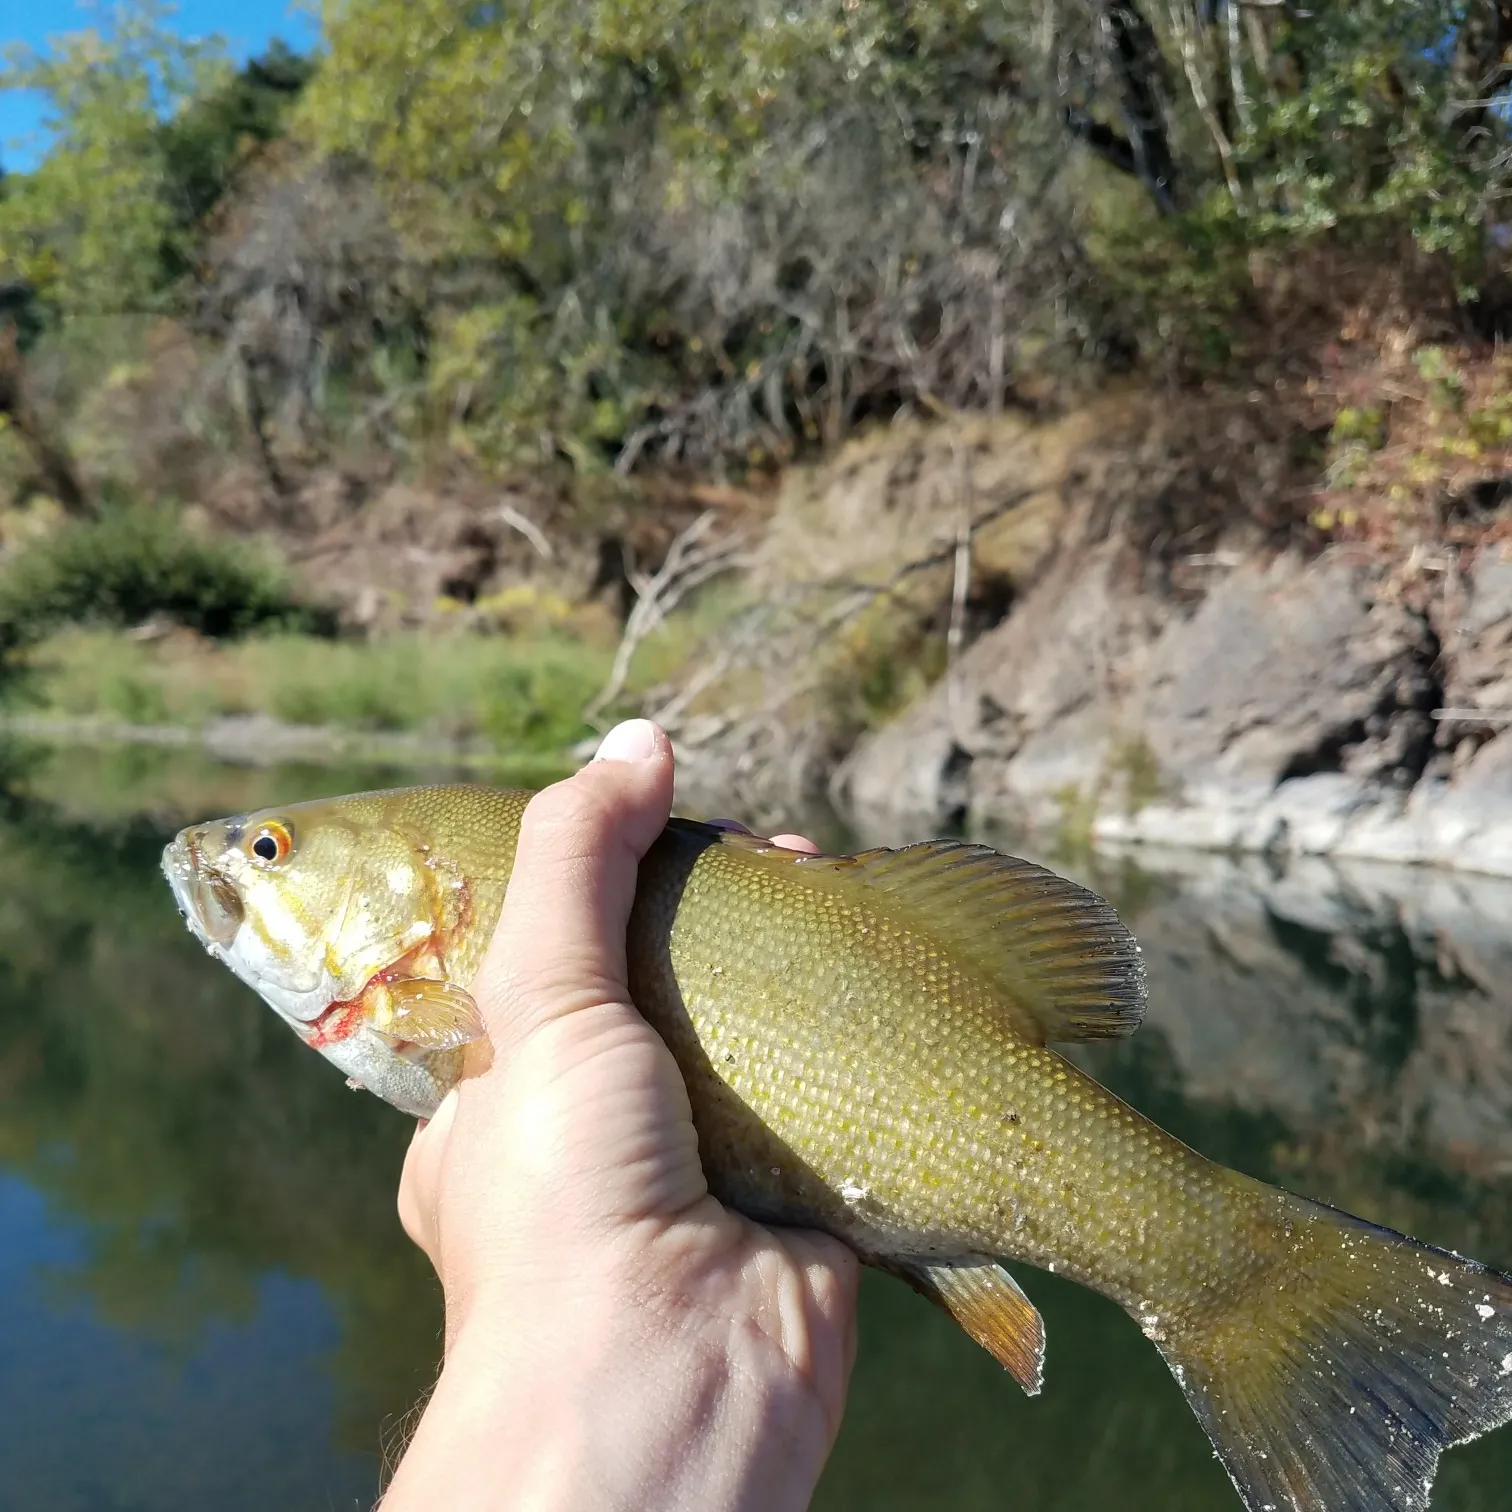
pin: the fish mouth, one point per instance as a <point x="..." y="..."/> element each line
<point x="206" y="897"/>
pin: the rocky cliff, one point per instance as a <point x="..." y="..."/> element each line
<point x="1318" y="705"/>
<point x="1141" y="624"/>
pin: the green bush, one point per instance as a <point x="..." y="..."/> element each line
<point x="538" y="705"/>
<point x="136" y="563"/>
<point x="1360" y="425"/>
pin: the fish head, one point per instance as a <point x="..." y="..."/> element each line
<point x="313" y="906"/>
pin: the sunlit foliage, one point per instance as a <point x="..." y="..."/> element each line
<point x="716" y="233"/>
<point x="92" y="227"/>
<point x="147" y="128"/>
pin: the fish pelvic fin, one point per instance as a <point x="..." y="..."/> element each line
<point x="989" y="1305"/>
<point x="1338" y="1380"/>
<point x="1065" y="965"/>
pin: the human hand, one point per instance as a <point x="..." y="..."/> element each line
<point x="614" y="1336"/>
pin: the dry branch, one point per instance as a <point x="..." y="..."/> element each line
<point x="692" y="560"/>
<point x="527" y="528"/>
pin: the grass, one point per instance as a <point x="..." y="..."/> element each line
<point x="508" y="693"/>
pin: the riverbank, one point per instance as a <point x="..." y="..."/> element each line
<point x="943" y="625"/>
<point x="459" y="698"/>
<point x="1145" y="627"/>
<point x="1114" y="621"/>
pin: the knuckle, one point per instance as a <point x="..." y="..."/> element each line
<point x="561" y="979"/>
<point x="573" y="815"/>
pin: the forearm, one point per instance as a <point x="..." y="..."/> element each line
<point x="619" y="1421"/>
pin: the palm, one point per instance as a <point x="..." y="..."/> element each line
<point x="602" y="1165"/>
<point x="559" y="1194"/>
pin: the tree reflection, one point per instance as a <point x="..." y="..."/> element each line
<point x="149" y="1094"/>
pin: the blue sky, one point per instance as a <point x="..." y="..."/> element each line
<point x="247" y="25"/>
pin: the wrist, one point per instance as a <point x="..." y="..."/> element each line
<point x="609" y="1407"/>
<point x="496" y="1433"/>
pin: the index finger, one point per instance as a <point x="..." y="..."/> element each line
<point x="787" y="842"/>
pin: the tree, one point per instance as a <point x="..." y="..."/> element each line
<point x="697" y="229"/>
<point x="713" y="230"/>
<point x="93" y="227"/>
<point x="217" y="131"/>
<point x="303" y="278"/>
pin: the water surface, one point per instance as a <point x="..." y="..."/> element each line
<point x="206" y="1300"/>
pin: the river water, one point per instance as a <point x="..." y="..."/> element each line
<point x="206" y="1301"/>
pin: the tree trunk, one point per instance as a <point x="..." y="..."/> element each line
<point x="1136" y="70"/>
<point x="55" y="465"/>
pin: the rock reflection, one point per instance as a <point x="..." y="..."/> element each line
<point x="1363" y="1012"/>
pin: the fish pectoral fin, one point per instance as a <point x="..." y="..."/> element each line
<point x="989" y="1304"/>
<point x="434" y="1015"/>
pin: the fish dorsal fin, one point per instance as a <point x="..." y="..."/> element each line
<point x="1062" y="957"/>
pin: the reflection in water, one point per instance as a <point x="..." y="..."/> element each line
<point x="201" y="1160"/>
<point x="100" y="1416"/>
<point x="205" y="1299"/>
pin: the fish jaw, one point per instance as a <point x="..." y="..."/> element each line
<point x="212" y="904"/>
<point x="211" y="907"/>
<point x="319" y="1004"/>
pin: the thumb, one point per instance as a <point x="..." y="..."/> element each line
<point x="560" y="942"/>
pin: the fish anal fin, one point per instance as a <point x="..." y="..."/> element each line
<point x="989" y="1305"/>
<point x="1067" y="966"/>
<point x="435" y="1015"/>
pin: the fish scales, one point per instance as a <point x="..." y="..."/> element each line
<point x="867" y="1046"/>
<point x="788" y="993"/>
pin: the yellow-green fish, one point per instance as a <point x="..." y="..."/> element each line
<point x="866" y="1043"/>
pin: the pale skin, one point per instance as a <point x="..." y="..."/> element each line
<point x="615" y="1338"/>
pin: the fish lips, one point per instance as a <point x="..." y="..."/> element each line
<point x="208" y="899"/>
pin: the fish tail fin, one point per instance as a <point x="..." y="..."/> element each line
<point x="1334" y="1380"/>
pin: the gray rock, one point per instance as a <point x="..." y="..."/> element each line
<point x="1277" y="671"/>
<point x="914" y="768"/>
<point x="1490" y="598"/>
<point x="1288" y="711"/>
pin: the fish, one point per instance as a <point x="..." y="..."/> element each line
<point x="868" y="1043"/>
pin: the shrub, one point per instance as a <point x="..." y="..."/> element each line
<point x="537" y="704"/>
<point x="135" y="563"/>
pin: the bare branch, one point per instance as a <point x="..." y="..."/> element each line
<point x="529" y="529"/>
<point x="691" y="561"/>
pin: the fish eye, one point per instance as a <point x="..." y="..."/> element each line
<point x="272" y="843"/>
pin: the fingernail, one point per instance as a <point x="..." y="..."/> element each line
<point x="635" y="740"/>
